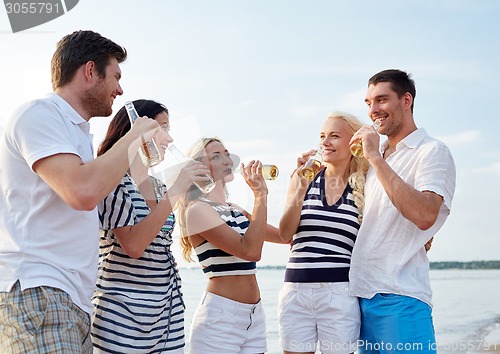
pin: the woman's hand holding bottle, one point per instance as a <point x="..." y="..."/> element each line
<point x="206" y="184"/>
<point x="308" y="165"/>
<point x="192" y="172"/>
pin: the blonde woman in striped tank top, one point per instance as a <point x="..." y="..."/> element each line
<point x="321" y="218"/>
<point x="228" y="242"/>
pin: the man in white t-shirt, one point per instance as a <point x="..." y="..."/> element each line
<point x="408" y="194"/>
<point x="50" y="185"/>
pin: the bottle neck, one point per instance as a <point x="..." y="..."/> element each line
<point x="177" y="153"/>
<point x="131" y="111"/>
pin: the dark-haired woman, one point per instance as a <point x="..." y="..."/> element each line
<point x="138" y="306"/>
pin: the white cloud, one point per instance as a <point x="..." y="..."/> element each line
<point x="461" y="138"/>
<point x="494" y="169"/>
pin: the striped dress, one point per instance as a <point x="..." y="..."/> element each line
<point x="216" y="262"/>
<point x="322" y="247"/>
<point x="138" y="306"/>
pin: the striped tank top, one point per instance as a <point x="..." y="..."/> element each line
<point x="214" y="261"/>
<point x="138" y="305"/>
<point x="322" y="246"/>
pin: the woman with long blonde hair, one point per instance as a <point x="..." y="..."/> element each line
<point x="228" y="242"/>
<point x="322" y="217"/>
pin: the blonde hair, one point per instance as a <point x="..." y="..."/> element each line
<point x="358" y="165"/>
<point x="196" y="152"/>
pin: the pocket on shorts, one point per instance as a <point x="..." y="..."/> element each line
<point x="340" y="300"/>
<point x="286" y="298"/>
<point x="34" y="308"/>
<point x="340" y="289"/>
<point x="390" y="299"/>
<point x="212" y="315"/>
<point x="389" y="296"/>
<point x="3" y="300"/>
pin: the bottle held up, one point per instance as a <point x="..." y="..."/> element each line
<point x="269" y="172"/>
<point x="313" y="164"/>
<point x="148" y="151"/>
<point x="357" y="147"/>
<point x="206" y="186"/>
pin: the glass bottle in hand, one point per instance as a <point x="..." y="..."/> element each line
<point x="269" y="172"/>
<point x="148" y="151"/>
<point x="205" y="186"/>
<point x="357" y="147"/>
<point x="313" y="164"/>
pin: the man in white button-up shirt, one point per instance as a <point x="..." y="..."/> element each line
<point x="408" y="194"/>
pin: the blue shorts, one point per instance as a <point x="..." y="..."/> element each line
<point x="394" y="324"/>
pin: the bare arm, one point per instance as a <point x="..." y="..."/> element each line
<point x="83" y="185"/>
<point x="273" y="235"/>
<point x="193" y="171"/>
<point x="290" y="219"/>
<point x="420" y="207"/>
<point x="297" y="189"/>
<point x="135" y="239"/>
<point x="272" y="232"/>
<point x="203" y="221"/>
<point x="428" y="245"/>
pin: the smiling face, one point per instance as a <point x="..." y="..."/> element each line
<point x="218" y="161"/>
<point x="334" y="138"/>
<point x="162" y="138"/>
<point x="98" y="100"/>
<point x="385" y="105"/>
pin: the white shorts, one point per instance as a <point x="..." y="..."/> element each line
<point x="223" y="326"/>
<point x="309" y="313"/>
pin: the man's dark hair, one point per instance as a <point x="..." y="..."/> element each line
<point x="78" y="48"/>
<point x="401" y="82"/>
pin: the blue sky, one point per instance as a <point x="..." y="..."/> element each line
<point x="263" y="75"/>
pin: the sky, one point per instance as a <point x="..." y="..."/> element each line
<point x="263" y="75"/>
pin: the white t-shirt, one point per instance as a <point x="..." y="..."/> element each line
<point x="389" y="255"/>
<point x="43" y="241"/>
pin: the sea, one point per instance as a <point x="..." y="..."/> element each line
<point x="466" y="307"/>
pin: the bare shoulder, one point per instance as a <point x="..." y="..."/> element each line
<point x="200" y="217"/>
<point x="199" y="208"/>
